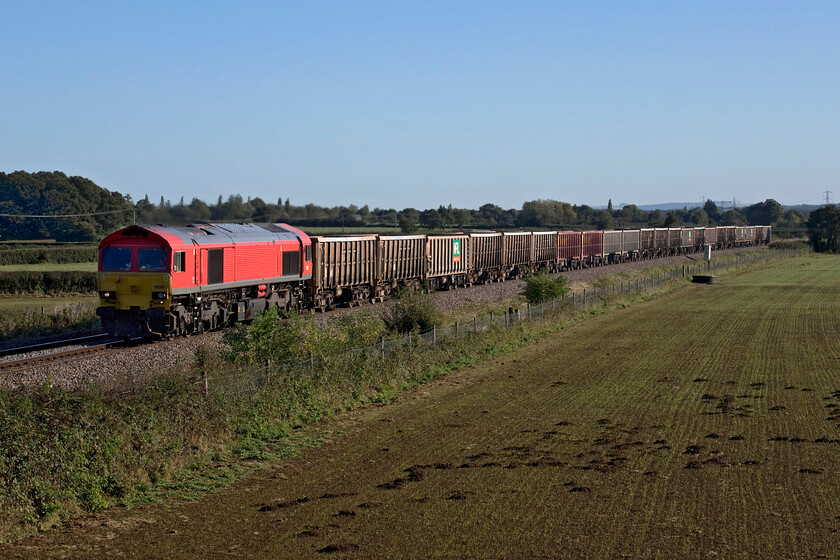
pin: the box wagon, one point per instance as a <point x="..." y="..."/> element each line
<point x="486" y="256"/>
<point x="593" y="248"/>
<point x="686" y="240"/>
<point x="401" y="259"/>
<point x="749" y="235"/>
<point x="762" y="235"/>
<point x="517" y="252"/>
<point x="674" y="240"/>
<point x="448" y="260"/>
<point x="631" y="242"/>
<point x="545" y="250"/>
<point x="660" y="240"/>
<point x="725" y="236"/>
<point x="699" y="238"/>
<point x="710" y="236"/>
<point x="647" y="242"/>
<point x="613" y="250"/>
<point x="570" y="250"/>
<point x="345" y="269"/>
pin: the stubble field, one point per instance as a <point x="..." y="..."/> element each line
<point x="703" y="423"/>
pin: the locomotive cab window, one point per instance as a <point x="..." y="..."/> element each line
<point x="307" y="255"/>
<point x="151" y="259"/>
<point x="116" y="258"/>
<point x="178" y="263"/>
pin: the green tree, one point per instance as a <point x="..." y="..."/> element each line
<point x="764" y="213"/>
<point x="95" y="211"/>
<point x="711" y="211"/>
<point x="824" y="229"/>
<point x="546" y="213"/>
<point x="408" y="225"/>
<point x="733" y="217"/>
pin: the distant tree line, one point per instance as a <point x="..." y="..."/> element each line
<point x="105" y="211"/>
<point x="533" y="214"/>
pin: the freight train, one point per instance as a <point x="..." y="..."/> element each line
<point x="159" y="282"/>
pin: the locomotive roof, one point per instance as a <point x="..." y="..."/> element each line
<point x="225" y="233"/>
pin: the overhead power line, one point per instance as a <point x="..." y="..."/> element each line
<point x="64" y="215"/>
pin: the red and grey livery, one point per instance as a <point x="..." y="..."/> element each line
<point x="156" y="280"/>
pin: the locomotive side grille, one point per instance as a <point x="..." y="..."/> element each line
<point x="215" y="266"/>
<point x="291" y="263"/>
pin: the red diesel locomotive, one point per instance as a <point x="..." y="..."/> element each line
<point x="161" y="281"/>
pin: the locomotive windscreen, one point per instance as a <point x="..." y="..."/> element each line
<point x="152" y="260"/>
<point x="116" y="258"/>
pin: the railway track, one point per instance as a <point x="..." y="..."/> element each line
<point x="52" y="344"/>
<point x="27" y="362"/>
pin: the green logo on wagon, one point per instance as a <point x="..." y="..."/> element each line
<point x="456" y="250"/>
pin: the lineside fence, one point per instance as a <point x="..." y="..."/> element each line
<point x="237" y="380"/>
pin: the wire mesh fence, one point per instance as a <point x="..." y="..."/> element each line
<point x="235" y="380"/>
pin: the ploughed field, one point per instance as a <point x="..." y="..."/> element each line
<point x="703" y="423"/>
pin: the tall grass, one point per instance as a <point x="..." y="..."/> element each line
<point x="17" y="324"/>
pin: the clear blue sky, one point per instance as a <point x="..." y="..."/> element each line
<point x="396" y="104"/>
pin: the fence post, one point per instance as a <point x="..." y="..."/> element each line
<point x="527" y="310"/>
<point x="204" y="379"/>
<point x="456" y="329"/>
<point x="311" y="361"/>
<point x="475" y="325"/>
<point x="382" y="345"/>
<point x="584" y="298"/>
<point x="268" y="371"/>
<point x="506" y="320"/>
<point x="434" y="336"/>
